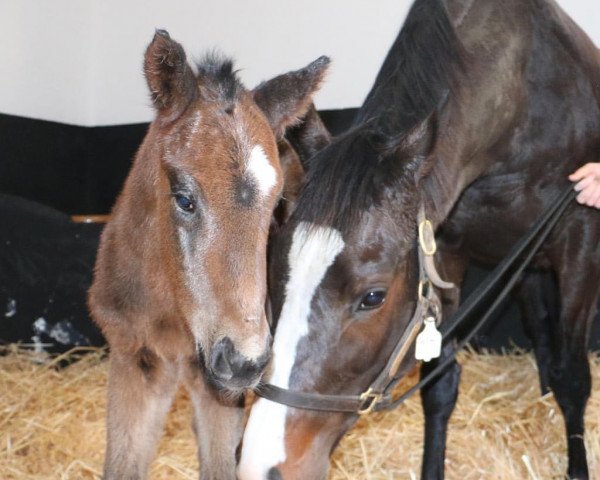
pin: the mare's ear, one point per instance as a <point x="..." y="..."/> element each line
<point x="286" y="98"/>
<point x="309" y="136"/>
<point x="170" y="78"/>
<point x="412" y="150"/>
<point x="419" y="140"/>
<point x="407" y="156"/>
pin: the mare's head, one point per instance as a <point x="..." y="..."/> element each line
<point x="344" y="269"/>
<point x="343" y="279"/>
<point x="216" y="181"/>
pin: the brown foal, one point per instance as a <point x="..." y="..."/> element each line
<point x="179" y="288"/>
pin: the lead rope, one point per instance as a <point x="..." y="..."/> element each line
<point x="540" y="232"/>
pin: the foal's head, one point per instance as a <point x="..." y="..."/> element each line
<point x="344" y="276"/>
<point x="218" y="178"/>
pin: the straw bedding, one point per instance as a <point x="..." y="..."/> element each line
<point x="52" y="426"/>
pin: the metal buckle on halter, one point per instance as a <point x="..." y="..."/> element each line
<point x="427" y="237"/>
<point x="369" y="399"/>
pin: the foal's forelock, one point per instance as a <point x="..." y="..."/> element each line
<point x="312" y="251"/>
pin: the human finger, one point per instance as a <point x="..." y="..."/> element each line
<point x="582" y="184"/>
<point x="583" y="196"/>
<point x="581" y="172"/>
<point x="592" y="195"/>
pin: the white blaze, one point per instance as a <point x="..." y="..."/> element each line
<point x="312" y="252"/>
<point x="262" y="170"/>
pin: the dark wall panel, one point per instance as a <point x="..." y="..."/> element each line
<point x="43" y="161"/>
<point x="49" y="170"/>
<point x="77" y="170"/>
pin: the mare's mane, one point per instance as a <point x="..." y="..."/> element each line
<point x="415" y="77"/>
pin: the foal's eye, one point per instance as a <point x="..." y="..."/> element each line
<point x="372" y="299"/>
<point x="184" y="203"/>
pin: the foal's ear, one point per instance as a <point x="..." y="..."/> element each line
<point x="293" y="178"/>
<point x="170" y="79"/>
<point x="286" y="98"/>
<point x="309" y="136"/>
<point x="300" y="144"/>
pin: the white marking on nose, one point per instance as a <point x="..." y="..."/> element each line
<point x="262" y="170"/>
<point x="313" y="251"/>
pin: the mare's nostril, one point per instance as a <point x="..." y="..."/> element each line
<point x="274" y="474"/>
<point x="221" y="359"/>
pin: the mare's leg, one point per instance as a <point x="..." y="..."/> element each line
<point x="538" y="298"/>
<point x="218" y="425"/>
<point x="140" y="391"/>
<point x="578" y="269"/>
<point x="569" y="375"/>
<point x="439" y="397"/>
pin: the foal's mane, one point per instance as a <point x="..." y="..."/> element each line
<point x="415" y="77"/>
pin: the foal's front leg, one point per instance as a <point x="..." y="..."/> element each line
<point x="141" y="387"/>
<point x="218" y="425"/>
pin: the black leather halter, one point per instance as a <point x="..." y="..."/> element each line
<point x="379" y="394"/>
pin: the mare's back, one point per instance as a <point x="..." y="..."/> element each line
<point x="555" y="129"/>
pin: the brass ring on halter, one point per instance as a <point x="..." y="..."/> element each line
<point x="424" y="286"/>
<point x="427" y="237"/>
<point x="370" y="399"/>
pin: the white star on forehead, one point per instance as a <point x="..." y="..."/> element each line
<point x="262" y="171"/>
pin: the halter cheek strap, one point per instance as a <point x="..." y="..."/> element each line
<point x="428" y="305"/>
<point x="427" y="249"/>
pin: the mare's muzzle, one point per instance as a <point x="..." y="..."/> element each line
<point x="274" y="474"/>
<point x="228" y="368"/>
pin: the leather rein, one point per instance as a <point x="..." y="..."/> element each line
<point x="378" y="396"/>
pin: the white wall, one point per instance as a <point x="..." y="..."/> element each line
<point x="265" y="38"/>
<point x="79" y="61"/>
<point x="44" y="67"/>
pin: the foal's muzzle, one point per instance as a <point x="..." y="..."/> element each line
<point x="232" y="370"/>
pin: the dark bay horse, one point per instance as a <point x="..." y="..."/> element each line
<point x="180" y="279"/>
<point x="478" y="114"/>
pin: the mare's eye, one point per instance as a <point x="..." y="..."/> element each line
<point x="184" y="203"/>
<point x="372" y="299"/>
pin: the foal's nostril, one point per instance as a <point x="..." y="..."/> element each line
<point x="230" y="367"/>
<point x="221" y="359"/>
